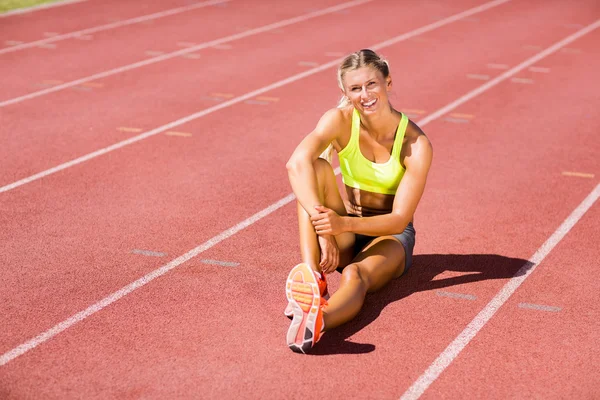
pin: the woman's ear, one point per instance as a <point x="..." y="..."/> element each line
<point x="344" y="94"/>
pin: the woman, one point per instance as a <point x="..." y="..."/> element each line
<point x="384" y="159"/>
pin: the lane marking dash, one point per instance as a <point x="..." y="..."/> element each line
<point x="257" y="102"/>
<point x="267" y="98"/>
<point x="192" y="56"/>
<point x="222" y="46"/>
<point x="221" y="263"/>
<point x="181" y="134"/>
<point x="498" y="66"/>
<point x="413" y="111"/>
<point x="539" y="307"/>
<point x="578" y="174"/>
<point x="456" y="120"/>
<point x="223" y="95"/>
<point x="464" y="116"/>
<point x="522" y="80"/>
<point x="128" y="129"/>
<point x="149" y="253"/>
<point x="480" y="77"/>
<point x="456" y="295"/>
<point x="539" y="69"/>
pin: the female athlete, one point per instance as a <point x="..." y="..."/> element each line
<point x="384" y="159"/>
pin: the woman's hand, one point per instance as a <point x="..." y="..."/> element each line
<point x="327" y="222"/>
<point x="330" y="254"/>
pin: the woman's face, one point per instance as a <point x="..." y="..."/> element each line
<point x="367" y="89"/>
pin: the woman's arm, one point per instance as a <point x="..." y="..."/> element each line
<point x="300" y="167"/>
<point x="407" y="197"/>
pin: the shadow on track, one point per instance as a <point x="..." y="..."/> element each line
<point x="476" y="267"/>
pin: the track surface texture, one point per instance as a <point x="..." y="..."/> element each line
<point x="148" y="224"/>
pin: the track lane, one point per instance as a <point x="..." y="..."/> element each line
<point x="74" y="59"/>
<point x="524" y="339"/>
<point x="183" y="90"/>
<point x="76" y="17"/>
<point x="86" y="34"/>
<point x="112" y="196"/>
<point x="528" y="353"/>
<point x="111" y="206"/>
<point x="227" y="371"/>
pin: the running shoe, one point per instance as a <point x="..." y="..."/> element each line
<point x="322" y="282"/>
<point x="304" y="295"/>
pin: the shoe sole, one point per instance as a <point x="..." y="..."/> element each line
<point x="302" y="292"/>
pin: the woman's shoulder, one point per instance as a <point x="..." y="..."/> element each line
<point x="336" y="119"/>
<point x="416" y="143"/>
<point x="338" y="115"/>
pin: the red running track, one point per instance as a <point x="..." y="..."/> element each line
<point x="218" y="331"/>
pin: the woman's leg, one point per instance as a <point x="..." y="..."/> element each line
<point x="329" y="196"/>
<point x="378" y="263"/>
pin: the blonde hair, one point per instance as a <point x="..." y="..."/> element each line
<point x="354" y="61"/>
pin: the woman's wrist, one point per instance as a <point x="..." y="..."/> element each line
<point x="347" y="224"/>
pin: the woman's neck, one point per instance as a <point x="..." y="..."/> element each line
<point x="382" y="123"/>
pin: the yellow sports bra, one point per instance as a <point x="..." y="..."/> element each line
<point x="361" y="173"/>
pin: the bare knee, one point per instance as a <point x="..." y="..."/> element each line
<point x="352" y="274"/>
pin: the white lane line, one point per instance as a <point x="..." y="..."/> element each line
<point x="527" y="63"/>
<point x="40" y="7"/>
<point x="117" y="24"/>
<point x="440" y="23"/>
<point x="33" y="343"/>
<point x="464" y="338"/>
<point x="539" y="307"/>
<point x="244" y="97"/>
<point x="460" y="342"/>
<point x="237" y="36"/>
<point x="80" y="316"/>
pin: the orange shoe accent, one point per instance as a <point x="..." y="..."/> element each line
<point x="321" y="281"/>
<point x="304" y="297"/>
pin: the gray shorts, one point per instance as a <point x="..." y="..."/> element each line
<point x="407" y="238"/>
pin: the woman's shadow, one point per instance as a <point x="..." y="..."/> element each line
<point x="476" y="267"/>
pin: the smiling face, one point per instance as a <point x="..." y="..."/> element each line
<point x="367" y="89"/>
